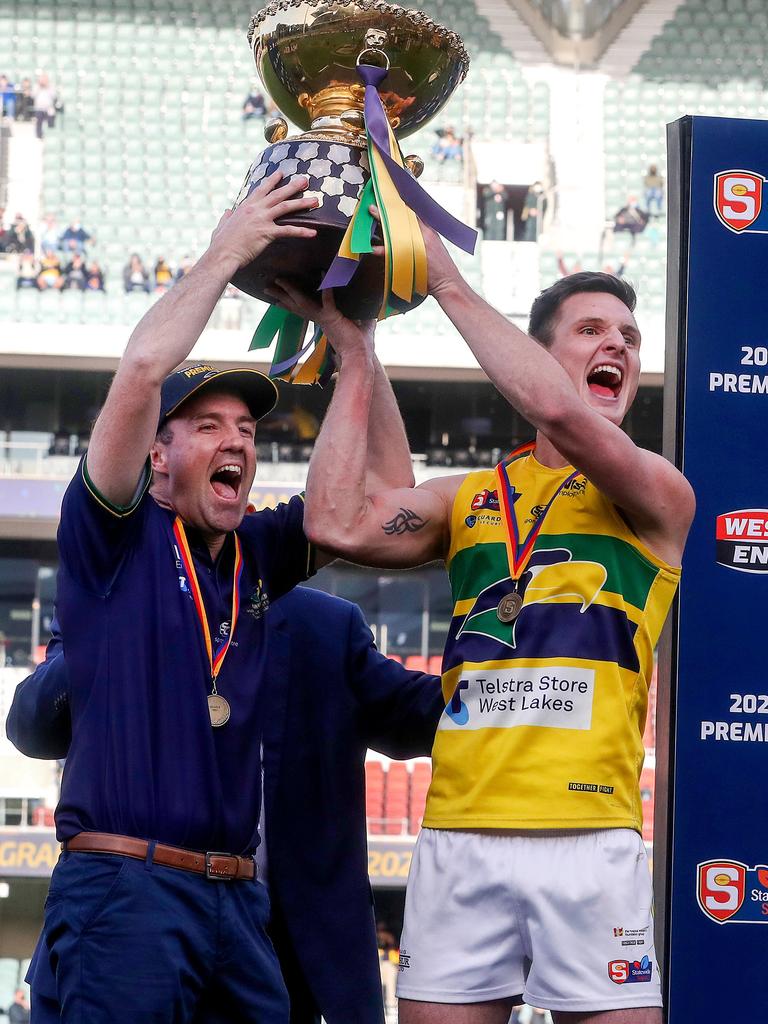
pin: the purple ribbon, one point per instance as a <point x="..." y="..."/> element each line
<point x="340" y="273"/>
<point x="422" y="204"/>
<point x="278" y="369"/>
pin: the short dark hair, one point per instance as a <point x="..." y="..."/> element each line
<point x="165" y="433"/>
<point x="547" y="305"/>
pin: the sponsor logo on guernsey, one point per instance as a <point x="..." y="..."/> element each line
<point x="574" y="488"/>
<point x="741" y="539"/>
<point x="739" y="201"/>
<point x="628" y="972"/>
<point x="589" y="787"/>
<point x="485" y="499"/>
<point x="556" y="697"/>
<point x="730" y="892"/>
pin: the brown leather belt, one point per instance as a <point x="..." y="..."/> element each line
<point x="221" y="867"/>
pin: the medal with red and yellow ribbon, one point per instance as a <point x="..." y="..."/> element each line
<point x="218" y="706"/>
<point x="518" y="551"/>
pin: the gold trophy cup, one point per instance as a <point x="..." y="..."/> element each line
<point x="307" y="53"/>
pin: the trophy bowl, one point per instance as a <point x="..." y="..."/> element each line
<point x="307" y="54"/>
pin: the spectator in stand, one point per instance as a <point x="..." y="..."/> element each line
<point x="74" y="239"/>
<point x="135" y="275"/>
<point x="44" y="96"/>
<point x="95" y="278"/>
<point x="630" y="218"/>
<point x="654" y="191"/>
<point x="19" y="236"/>
<point x="28" y="271"/>
<point x="76" y="274"/>
<point x="7" y="97"/>
<point x="495" y="203"/>
<point x="254" y="105"/>
<point x="447" y="146"/>
<point x="184" y="267"/>
<point x="49" y="233"/>
<point x="534" y="207"/>
<point x="18" y="1011"/>
<point x="25" y="101"/>
<point x="51" y="275"/>
<point x="163" y="275"/>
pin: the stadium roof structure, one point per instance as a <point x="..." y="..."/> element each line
<point x="575" y="33"/>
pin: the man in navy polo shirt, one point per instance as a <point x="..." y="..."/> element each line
<point x="154" y="911"/>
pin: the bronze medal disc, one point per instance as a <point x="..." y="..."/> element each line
<point x="509" y="607"/>
<point x="218" y="709"/>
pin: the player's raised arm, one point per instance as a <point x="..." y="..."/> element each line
<point x="164" y="337"/>
<point x="574" y="381"/>
<point x="360" y="499"/>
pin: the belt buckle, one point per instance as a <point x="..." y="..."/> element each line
<point x="215" y="876"/>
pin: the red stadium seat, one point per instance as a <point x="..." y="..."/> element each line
<point x="436" y="664"/>
<point x="417" y="663"/>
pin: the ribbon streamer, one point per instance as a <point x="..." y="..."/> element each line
<point x="401" y="200"/>
<point x="290" y="330"/>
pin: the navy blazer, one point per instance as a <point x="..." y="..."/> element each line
<point x="331" y="696"/>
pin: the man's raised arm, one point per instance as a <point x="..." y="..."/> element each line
<point x="657" y="498"/>
<point x="126" y="427"/>
<point x="360" y="500"/>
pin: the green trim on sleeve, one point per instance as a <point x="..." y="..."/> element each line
<point x="120" y="511"/>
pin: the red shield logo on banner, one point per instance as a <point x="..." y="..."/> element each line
<point x="720" y="887"/>
<point x="738" y="198"/>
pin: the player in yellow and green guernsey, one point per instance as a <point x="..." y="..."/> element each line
<point x="530" y="875"/>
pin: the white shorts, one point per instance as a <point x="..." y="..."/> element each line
<point x="565" y="918"/>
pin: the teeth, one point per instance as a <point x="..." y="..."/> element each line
<point x="605" y="368"/>
<point x="230" y="469"/>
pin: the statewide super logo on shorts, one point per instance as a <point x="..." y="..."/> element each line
<point x="629" y="972"/>
<point x="739" y="201"/>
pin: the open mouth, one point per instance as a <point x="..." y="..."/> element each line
<point x="605" y="381"/>
<point x="226" y="481"/>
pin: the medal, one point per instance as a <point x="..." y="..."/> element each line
<point x="518" y="552"/>
<point x="509" y="607"/>
<point x="218" y="706"/>
<point x="218" y="709"/>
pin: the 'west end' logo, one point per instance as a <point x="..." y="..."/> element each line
<point x="741" y="539"/>
<point x="739" y="200"/>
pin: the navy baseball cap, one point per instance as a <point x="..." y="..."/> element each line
<point x="256" y="389"/>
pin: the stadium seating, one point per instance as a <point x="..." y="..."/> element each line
<point x="395" y="797"/>
<point x="152" y="147"/>
<point x="711" y="58"/>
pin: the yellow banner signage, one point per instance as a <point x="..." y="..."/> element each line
<point x="389" y="861"/>
<point x="30" y="853"/>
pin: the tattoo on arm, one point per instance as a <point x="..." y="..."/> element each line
<point x="406" y="521"/>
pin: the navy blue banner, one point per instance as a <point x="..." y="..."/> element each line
<point x="718" y="896"/>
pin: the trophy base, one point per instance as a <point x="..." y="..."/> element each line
<point x="304" y="262"/>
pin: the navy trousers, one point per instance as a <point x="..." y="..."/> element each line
<point x="131" y="941"/>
